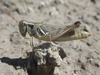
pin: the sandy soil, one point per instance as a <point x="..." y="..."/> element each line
<point x="83" y="56"/>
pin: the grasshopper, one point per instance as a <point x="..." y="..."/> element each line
<point x="49" y="33"/>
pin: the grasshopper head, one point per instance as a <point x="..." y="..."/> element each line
<point x="23" y="27"/>
<point x="29" y="27"/>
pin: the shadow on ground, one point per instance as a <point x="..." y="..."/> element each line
<point x="22" y="63"/>
<point x="17" y="63"/>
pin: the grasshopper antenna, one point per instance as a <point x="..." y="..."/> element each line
<point x="8" y="12"/>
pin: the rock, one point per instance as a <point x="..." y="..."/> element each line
<point x="44" y="59"/>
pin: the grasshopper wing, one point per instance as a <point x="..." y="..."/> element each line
<point x="57" y="33"/>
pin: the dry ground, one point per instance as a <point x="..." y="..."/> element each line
<point x="83" y="56"/>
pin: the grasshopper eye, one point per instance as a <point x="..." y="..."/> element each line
<point x="23" y="28"/>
